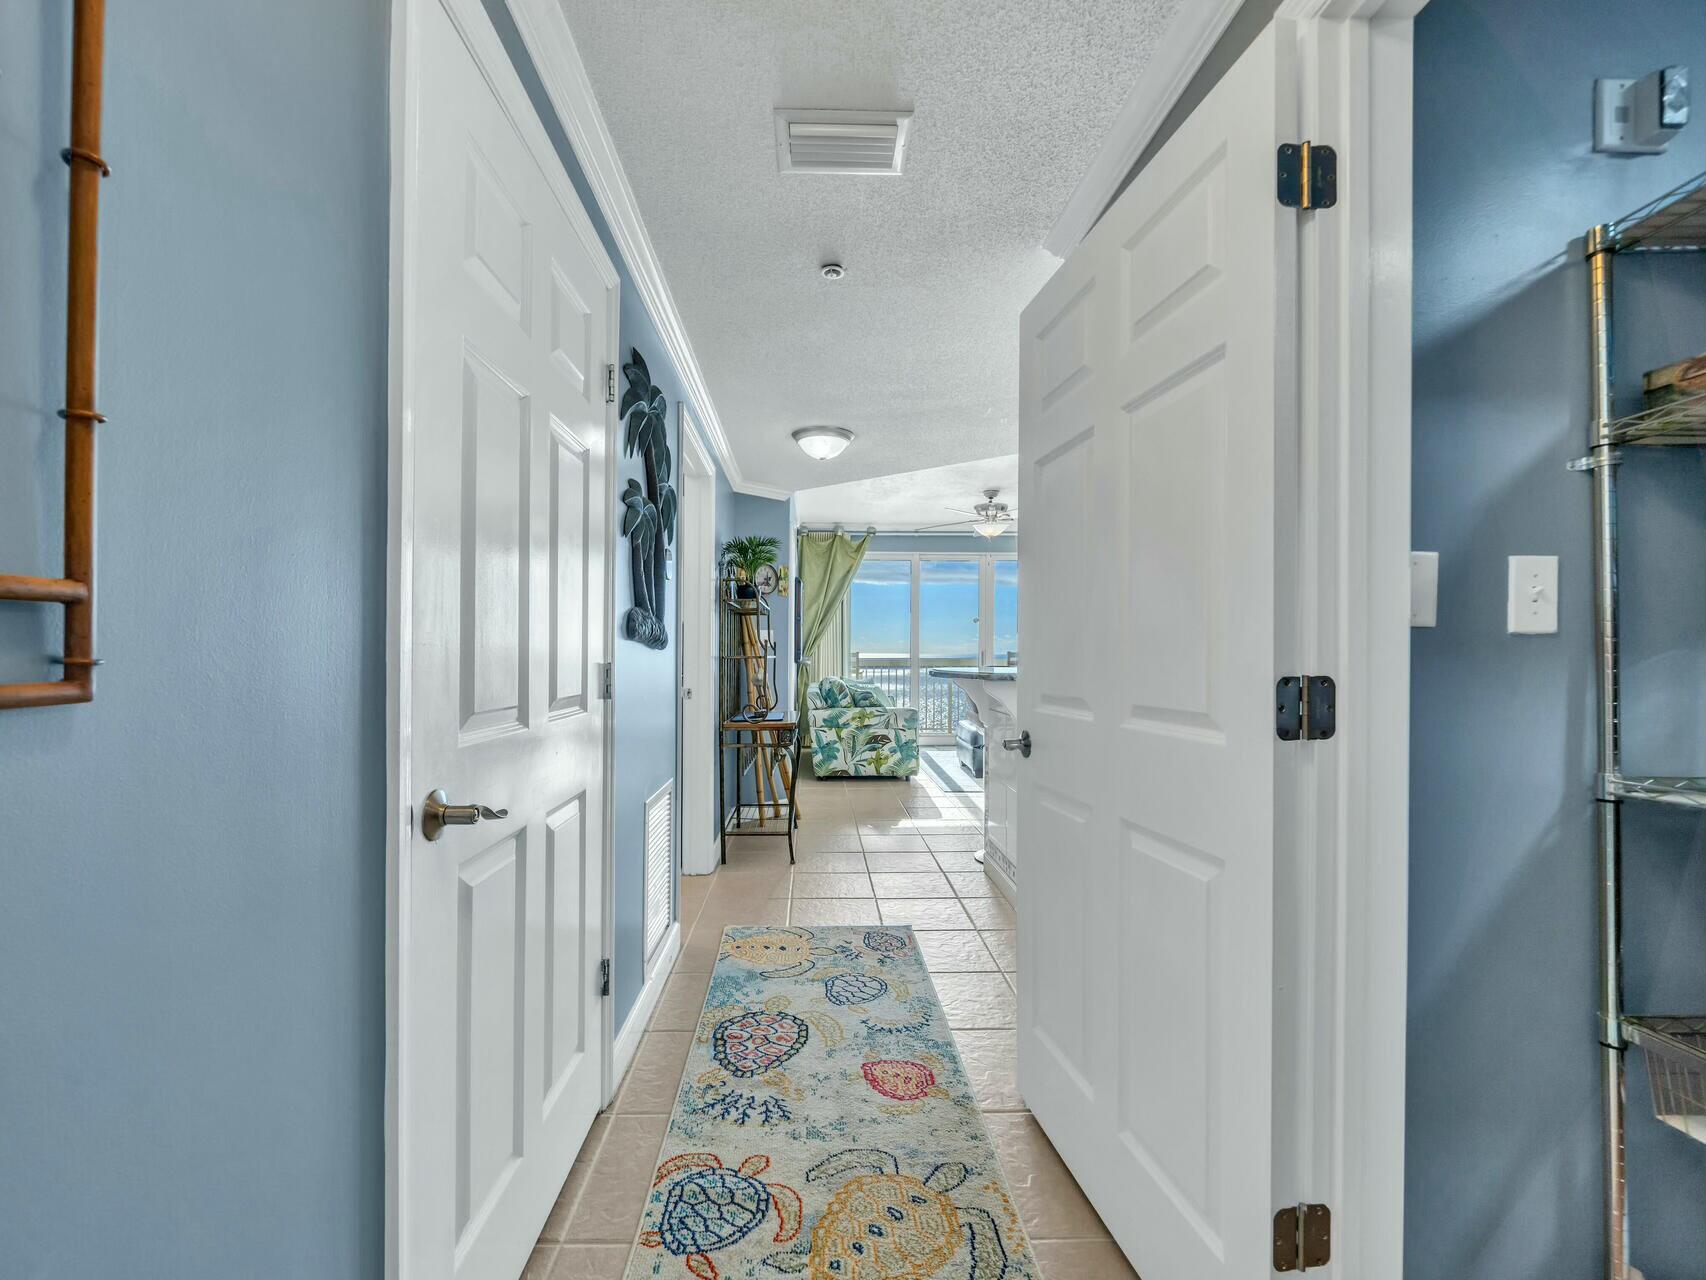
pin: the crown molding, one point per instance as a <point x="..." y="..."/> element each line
<point x="549" y="42"/>
<point x="1177" y="58"/>
<point x="1351" y="10"/>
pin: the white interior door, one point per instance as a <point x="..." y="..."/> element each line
<point x="508" y="320"/>
<point x="1156" y="430"/>
<point x="696" y="597"/>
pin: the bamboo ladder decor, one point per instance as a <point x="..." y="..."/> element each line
<point x="76" y="590"/>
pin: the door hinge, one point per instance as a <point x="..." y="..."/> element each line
<point x="606" y="681"/>
<point x="609" y="384"/>
<point x="1303" y="1237"/>
<point x="1305" y="708"/>
<point x="1308" y="176"/>
<point x="604" y="977"/>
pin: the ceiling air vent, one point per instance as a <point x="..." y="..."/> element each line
<point x="858" y="142"/>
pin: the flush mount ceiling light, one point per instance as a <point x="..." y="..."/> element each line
<point x="823" y="443"/>
<point x="849" y="142"/>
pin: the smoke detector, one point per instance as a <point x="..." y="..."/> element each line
<point x="851" y="142"/>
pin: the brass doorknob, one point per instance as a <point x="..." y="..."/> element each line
<point x="437" y="814"/>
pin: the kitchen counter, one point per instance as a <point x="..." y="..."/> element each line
<point x="994" y="696"/>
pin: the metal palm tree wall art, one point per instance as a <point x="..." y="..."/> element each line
<point x="648" y="514"/>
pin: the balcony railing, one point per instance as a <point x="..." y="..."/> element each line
<point x="941" y="703"/>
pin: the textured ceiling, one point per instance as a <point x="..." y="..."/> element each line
<point x="910" y="499"/>
<point x="916" y="349"/>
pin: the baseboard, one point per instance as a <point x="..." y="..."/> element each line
<point x="995" y="864"/>
<point x="713" y="859"/>
<point x="708" y="861"/>
<point x="628" y="1039"/>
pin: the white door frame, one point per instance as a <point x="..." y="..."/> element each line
<point x="1354" y="269"/>
<point x="696" y="575"/>
<point x="1350" y="825"/>
<point x="400" y="492"/>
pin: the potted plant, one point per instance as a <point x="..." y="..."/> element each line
<point x="744" y="557"/>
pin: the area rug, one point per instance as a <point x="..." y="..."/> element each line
<point x="825" y="1127"/>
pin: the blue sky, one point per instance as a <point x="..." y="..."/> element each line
<point x="948" y="608"/>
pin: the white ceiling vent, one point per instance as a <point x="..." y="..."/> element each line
<point x="858" y="142"/>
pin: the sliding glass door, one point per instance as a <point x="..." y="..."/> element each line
<point x="950" y="591"/>
<point x="910" y="612"/>
<point x="1003" y="643"/>
<point x="880" y="616"/>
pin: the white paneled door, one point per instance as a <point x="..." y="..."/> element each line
<point x="1157" y="439"/>
<point x="508" y="315"/>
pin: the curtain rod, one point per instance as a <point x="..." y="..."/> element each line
<point x="903" y="533"/>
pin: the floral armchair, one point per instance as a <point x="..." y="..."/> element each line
<point x="856" y="732"/>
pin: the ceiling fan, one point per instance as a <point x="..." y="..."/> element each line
<point x="987" y="519"/>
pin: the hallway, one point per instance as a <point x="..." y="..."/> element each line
<point x="868" y="851"/>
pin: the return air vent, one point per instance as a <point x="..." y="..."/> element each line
<point x="660" y="867"/>
<point x="856" y="142"/>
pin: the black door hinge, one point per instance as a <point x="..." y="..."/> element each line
<point x="1308" y="176"/>
<point x="1303" y="1237"/>
<point x="609" y="384"/>
<point x="1305" y="708"/>
<point x="604" y="977"/>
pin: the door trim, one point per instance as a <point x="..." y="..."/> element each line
<point x="494" y="63"/>
<point x="700" y="845"/>
<point x="1355" y="352"/>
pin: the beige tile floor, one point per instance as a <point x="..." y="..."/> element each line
<point x="867" y="850"/>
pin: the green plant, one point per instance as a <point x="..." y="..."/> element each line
<point x="750" y="554"/>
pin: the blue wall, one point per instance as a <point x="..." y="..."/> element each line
<point x="748" y="515"/>
<point x="646" y="703"/>
<point x="1503" y="1145"/>
<point x="192" y="917"/>
<point x="772" y="517"/>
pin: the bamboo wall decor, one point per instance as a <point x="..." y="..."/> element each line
<point x="76" y="590"/>
<point x="648" y="514"/>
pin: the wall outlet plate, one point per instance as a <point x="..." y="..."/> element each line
<point x="1531" y="607"/>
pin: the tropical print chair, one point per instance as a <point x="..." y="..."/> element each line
<point x="857" y="733"/>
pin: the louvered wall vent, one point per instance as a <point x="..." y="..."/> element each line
<point x="854" y="142"/>
<point x="660" y="867"/>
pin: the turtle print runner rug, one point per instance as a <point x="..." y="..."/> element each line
<point x="825" y="1128"/>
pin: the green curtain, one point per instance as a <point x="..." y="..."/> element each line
<point x="832" y="656"/>
<point x="828" y="562"/>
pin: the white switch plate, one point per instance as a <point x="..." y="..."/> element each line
<point x="1424" y="588"/>
<point x="1531" y="608"/>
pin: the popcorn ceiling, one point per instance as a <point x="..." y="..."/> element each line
<point x="917" y="349"/>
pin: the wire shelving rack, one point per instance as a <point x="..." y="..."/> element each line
<point x="1675" y="1046"/>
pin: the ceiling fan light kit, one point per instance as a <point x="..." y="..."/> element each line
<point x="823" y="443"/>
<point x="987" y="519"/>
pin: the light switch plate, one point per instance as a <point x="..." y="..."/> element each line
<point x="1531" y="608"/>
<point x="1424" y="588"/>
